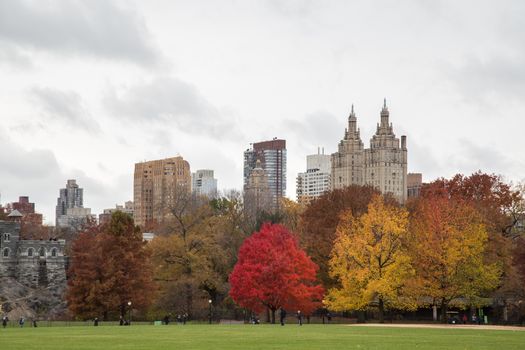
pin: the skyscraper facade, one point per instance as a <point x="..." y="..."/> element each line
<point x="203" y="183"/>
<point x="272" y="157"/>
<point x="383" y="165"/>
<point x="70" y="211"/>
<point x="157" y="186"/>
<point x="316" y="180"/>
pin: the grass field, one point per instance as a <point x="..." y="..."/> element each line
<point x="328" y="337"/>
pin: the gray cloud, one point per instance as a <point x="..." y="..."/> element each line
<point x="65" y="107"/>
<point x="10" y="55"/>
<point x="293" y="8"/>
<point x="96" y="28"/>
<point x="36" y="173"/>
<point x="473" y="157"/>
<point x="173" y="102"/>
<point x="501" y="77"/>
<point x="33" y="173"/>
<point x="317" y="129"/>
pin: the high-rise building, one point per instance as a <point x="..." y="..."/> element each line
<point x="203" y="183"/>
<point x="27" y="209"/>
<point x="105" y="217"/>
<point x="383" y="165"/>
<point x="272" y="157"/>
<point x="157" y="187"/>
<point x="414" y="184"/>
<point x="316" y="180"/>
<point x="70" y="211"/>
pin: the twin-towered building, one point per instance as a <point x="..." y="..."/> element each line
<point x="383" y="165"/>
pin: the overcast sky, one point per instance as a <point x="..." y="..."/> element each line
<point x="88" y="88"/>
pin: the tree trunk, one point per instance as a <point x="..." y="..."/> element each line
<point x="189" y="299"/>
<point x="444" y="308"/>
<point x="273" y="316"/>
<point x="381" y="311"/>
<point x="122" y="310"/>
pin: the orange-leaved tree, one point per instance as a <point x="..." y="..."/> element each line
<point x="319" y="220"/>
<point x="274" y="272"/>
<point x="448" y="244"/>
<point x="110" y="266"/>
<point x="370" y="261"/>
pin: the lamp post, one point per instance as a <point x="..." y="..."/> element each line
<point x="129" y="316"/>
<point x="209" y="302"/>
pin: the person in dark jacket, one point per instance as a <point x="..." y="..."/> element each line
<point x="4" y="321"/>
<point x="300" y="317"/>
<point x="283" y="316"/>
<point x="95" y="322"/>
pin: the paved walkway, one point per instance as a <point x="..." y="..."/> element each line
<point x="446" y="326"/>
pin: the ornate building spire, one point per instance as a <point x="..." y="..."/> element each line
<point x="352" y="123"/>
<point x="384" y="115"/>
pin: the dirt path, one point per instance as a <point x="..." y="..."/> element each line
<point x="441" y="326"/>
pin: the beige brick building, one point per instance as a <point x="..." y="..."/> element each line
<point x="383" y="165"/>
<point x="155" y="188"/>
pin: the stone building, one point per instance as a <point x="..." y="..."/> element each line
<point x="33" y="263"/>
<point x="157" y="186"/>
<point x="257" y="194"/>
<point x="383" y="165"/>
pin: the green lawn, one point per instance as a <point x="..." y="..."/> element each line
<point x="325" y="337"/>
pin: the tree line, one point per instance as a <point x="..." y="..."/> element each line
<point x="459" y="244"/>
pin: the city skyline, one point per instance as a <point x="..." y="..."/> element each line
<point x="76" y="104"/>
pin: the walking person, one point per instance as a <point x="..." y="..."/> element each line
<point x="4" y="321"/>
<point x="299" y="317"/>
<point x="95" y="322"/>
<point x="21" y="322"/>
<point x="282" y="316"/>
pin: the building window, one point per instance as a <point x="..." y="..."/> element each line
<point x="30" y="252"/>
<point x="7" y="237"/>
<point x="54" y="253"/>
<point x="42" y="252"/>
<point x="5" y="254"/>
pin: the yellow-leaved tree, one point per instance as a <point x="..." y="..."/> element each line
<point x="448" y="246"/>
<point x="370" y="261"/>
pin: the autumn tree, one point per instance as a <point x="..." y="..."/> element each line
<point x="319" y="220"/>
<point x="273" y="272"/>
<point x="190" y="264"/>
<point x="370" y="260"/>
<point x="500" y="206"/>
<point x="110" y="266"/>
<point x="448" y="244"/>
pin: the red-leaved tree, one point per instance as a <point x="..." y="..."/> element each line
<point x="273" y="272"/>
